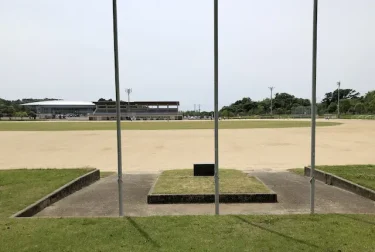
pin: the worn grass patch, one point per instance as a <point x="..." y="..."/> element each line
<point x="299" y="171"/>
<point x="183" y="182"/>
<point x="151" y="125"/>
<point x="106" y="174"/>
<point x="20" y="188"/>
<point x="363" y="175"/>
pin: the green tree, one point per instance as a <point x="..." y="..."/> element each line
<point x="371" y="107"/>
<point x="10" y="111"/>
<point x="344" y="94"/>
<point x="225" y="113"/>
<point x="369" y="100"/>
<point x="21" y="114"/>
<point x="260" y="110"/>
<point x="332" y="107"/>
<point x="31" y="114"/>
<point x="359" y="108"/>
<point x="345" y="106"/>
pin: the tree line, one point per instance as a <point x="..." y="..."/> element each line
<point x="9" y="108"/>
<point x="351" y="102"/>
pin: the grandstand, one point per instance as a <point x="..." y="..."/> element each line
<point x="137" y="110"/>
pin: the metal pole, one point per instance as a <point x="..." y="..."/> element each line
<point x="313" y="107"/>
<point x="216" y="106"/>
<point x="338" y="99"/>
<point x="118" y="112"/>
<point x="128" y="91"/>
<point x="271" y="88"/>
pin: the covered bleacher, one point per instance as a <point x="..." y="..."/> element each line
<point x="137" y="110"/>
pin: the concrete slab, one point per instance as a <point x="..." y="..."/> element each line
<point x="101" y="199"/>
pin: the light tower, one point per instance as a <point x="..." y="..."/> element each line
<point x="128" y="91"/>
<point x="271" y="88"/>
<point x="338" y="99"/>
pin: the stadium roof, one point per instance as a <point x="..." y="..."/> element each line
<point x="149" y="103"/>
<point x="59" y="103"/>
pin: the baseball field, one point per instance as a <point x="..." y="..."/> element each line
<point x="154" y="146"/>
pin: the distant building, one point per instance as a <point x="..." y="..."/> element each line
<point x="106" y="110"/>
<point x="137" y="110"/>
<point x="51" y="109"/>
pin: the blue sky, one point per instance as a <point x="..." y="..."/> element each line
<point x="64" y="49"/>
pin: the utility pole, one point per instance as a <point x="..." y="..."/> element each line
<point x="338" y="99"/>
<point x="199" y="108"/>
<point x="128" y="91"/>
<point x="271" y="88"/>
<point x="195" y="110"/>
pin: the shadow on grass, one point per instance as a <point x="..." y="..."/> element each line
<point x="277" y="233"/>
<point x="142" y="232"/>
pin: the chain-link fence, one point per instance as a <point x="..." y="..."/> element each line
<point x="302" y="112"/>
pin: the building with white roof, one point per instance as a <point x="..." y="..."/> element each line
<point x="106" y="110"/>
<point x="51" y="109"/>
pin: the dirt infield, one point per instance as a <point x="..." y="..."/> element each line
<point x="152" y="151"/>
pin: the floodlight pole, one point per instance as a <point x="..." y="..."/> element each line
<point x="216" y="104"/>
<point x="313" y="107"/>
<point x="338" y="99"/>
<point x="128" y="91"/>
<point x="118" y="111"/>
<point x="271" y="88"/>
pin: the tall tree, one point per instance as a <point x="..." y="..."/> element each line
<point x="344" y="94"/>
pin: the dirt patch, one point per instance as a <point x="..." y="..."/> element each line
<point x="152" y="151"/>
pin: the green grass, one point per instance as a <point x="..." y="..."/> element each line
<point x="183" y="182"/>
<point x="363" y="175"/>
<point x="358" y="117"/>
<point x="192" y="233"/>
<point x="20" y="188"/>
<point x="183" y="233"/>
<point x="161" y="125"/>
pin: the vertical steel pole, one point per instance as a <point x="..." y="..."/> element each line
<point x="216" y="106"/>
<point x="271" y="88"/>
<point x="271" y="101"/>
<point x="118" y="111"/>
<point x="313" y="107"/>
<point x="338" y="99"/>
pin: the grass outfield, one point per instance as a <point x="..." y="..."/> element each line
<point x="191" y="233"/>
<point x="182" y="233"/>
<point x="184" y="182"/>
<point x="30" y="185"/>
<point x="363" y="175"/>
<point x="152" y="125"/>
